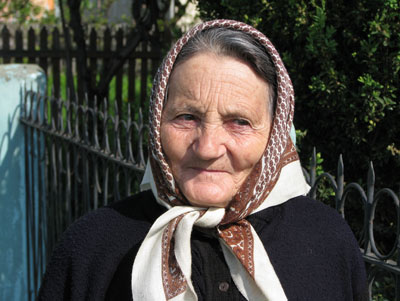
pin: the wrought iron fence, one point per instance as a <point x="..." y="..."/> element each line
<point x="377" y="262"/>
<point x="85" y="157"/>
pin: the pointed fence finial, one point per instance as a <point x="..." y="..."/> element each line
<point x="313" y="167"/>
<point x="370" y="183"/>
<point x="339" y="181"/>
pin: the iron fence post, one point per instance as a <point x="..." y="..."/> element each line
<point x="339" y="185"/>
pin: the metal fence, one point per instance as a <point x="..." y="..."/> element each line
<point x="382" y="259"/>
<point x="85" y="158"/>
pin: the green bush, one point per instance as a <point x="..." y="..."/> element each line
<point x="344" y="61"/>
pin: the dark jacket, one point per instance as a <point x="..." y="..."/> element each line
<point x="313" y="251"/>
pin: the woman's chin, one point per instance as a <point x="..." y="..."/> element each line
<point x="207" y="195"/>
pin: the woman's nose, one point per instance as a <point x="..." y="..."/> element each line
<point x="209" y="143"/>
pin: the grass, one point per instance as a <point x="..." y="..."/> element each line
<point x="112" y="86"/>
<point x="135" y="106"/>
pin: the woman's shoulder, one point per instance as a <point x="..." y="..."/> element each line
<point x="313" y="250"/>
<point x="133" y="214"/>
<point x="303" y="211"/>
<point x="317" y="220"/>
<point x="90" y="250"/>
<point x="306" y="210"/>
<point x="306" y="222"/>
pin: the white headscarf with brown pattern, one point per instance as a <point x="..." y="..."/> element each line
<point x="162" y="267"/>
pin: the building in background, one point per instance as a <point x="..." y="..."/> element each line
<point x="45" y="4"/>
<point x="111" y="12"/>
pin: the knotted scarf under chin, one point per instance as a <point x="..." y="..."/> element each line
<point x="166" y="252"/>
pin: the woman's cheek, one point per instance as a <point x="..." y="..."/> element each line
<point x="249" y="140"/>
<point x="247" y="149"/>
<point x="175" y="140"/>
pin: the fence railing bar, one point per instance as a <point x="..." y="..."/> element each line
<point x="389" y="265"/>
<point x="110" y="157"/>
<point x="392" y="195"/>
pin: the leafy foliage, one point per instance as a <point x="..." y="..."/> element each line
<point x="94" y="14"/>
<point x="21" y="11"/>
<point x="344" y="60"/>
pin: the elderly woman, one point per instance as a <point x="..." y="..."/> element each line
<point x="225" y="216"/>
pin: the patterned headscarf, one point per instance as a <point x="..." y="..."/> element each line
<point x="168" y="270"/>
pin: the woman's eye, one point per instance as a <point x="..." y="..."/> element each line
<point x="186" y="117"/>
<point x="238" y="125"/>
<point x="186" y="121"/>
<point x="241" y="122"/>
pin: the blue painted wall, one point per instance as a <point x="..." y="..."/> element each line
<point x="13" y="245"/>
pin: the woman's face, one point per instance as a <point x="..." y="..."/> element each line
<point x="214" y="127"/>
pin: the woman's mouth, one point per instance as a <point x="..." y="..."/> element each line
<point x="209" y="170"/>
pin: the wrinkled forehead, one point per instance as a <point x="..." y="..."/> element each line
<point x="173" y="54"/>
<point x="176" y="56"/>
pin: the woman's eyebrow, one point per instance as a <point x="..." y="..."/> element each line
<point x="238" y="114"/>
<point x="187" y="108"/>
<point x="241" y="110"/>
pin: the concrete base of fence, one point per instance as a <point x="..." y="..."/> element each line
<point x="13" y="229"/>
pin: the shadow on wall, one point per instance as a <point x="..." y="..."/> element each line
<point x="13" y="227"/>
<point x="12" y="212"/>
